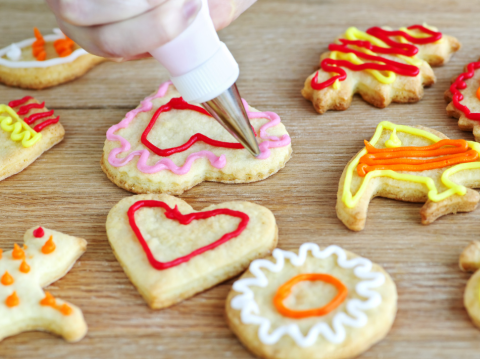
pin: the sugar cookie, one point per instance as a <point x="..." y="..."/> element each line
<point x="171" y="252"/>
<point x="381" y="65"/>
<point x="470" y="262"/>
<point x="46" y="257"/>
<point x="312" y="304"/>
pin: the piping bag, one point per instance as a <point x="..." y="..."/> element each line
<point x="204" y="71"/>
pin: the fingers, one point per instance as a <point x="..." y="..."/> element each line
<point x="126" y="39"/>
<point x="224" y="12"/>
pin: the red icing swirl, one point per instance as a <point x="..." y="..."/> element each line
<point x="396" y="48"/>
<point x="19" y="102"/>
<point x="460" y="84"/>
<point x="184" y="219"/>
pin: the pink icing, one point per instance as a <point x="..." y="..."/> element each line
<point x="165" y="163"/>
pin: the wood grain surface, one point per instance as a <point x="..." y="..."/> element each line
<point x="277" y="44"/>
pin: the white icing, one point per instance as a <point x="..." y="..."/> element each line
<point x="250" y="312"/>
<point x="14" y="53"/>
<point x="58" y="34"/>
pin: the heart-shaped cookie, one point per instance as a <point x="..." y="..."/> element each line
<point x="168" y="146"/>
<point x="171" y="252"/>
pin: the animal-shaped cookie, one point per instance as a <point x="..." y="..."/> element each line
<point x="381" y="65"/>
<point x="470" y="262"/>
<point x="171" y="252"/>
<point x="27" y="129"/>
<point x="312" y="304"/>
<point x="43" y="62"/>
<point x="464" y="94"/>
<point x="413" y="164"/>
<point x="46" y="257"/>
<point x="168" y="146"/>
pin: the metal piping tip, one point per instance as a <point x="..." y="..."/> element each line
<point x="229" y="111"/>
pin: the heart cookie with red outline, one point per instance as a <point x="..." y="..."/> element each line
<point x="170" y="252"/>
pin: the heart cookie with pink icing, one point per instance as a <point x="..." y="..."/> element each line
<point x="167" y="145"/>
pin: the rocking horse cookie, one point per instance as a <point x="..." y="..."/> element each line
<point x="464" y="98"/>
<point x="381" y="65"/>
<point x="167" y="145"/>
<point x="44" y="61"/>
<point x="413" y="164"/>
<point x="171" y="252"/>
<point x="27" y="129"/>
<point x="45" y="257"/>
<point x="311" y="304"/>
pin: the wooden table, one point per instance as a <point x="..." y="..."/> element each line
<point x="277" y="44"/>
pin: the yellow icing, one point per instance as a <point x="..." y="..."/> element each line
<point x="453" y="188"/>
<point x="19" y="129"/>
<point x="393" y="141"/>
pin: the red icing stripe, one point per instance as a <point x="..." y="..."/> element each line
<point x="180" y="104"/>
<point x="174" y="213"/>
<point x="396" y="48"/>
<point x="25" y="109"/>
<point x="16" y="103"/>
<point x="37" y="116"/>
<point x="46" y="123"/>
<point x="460" y="84"/>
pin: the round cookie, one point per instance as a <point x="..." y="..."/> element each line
<point x="313" y="304"/>
<point x="470" y="262"/>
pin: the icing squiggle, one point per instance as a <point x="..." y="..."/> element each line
<point x="460" y="84"/>
<point x="362" y="268"/>
<point x="166" y="163"/>
<point x="38" y="64"/>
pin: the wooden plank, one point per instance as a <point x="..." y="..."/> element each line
<point x="277" y="44"/>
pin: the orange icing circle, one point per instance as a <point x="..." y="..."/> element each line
<point x="285" y="289"/>
<point x="7" y="279"/>
<point x="24" y="267"/>
<point x="49" y="300"/>
<point x="17" y="252"/>
<point x="49" y="246"/>
<point x="12" y="300"/>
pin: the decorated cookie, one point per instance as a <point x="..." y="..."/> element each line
<point x="312" y="304"/>
<point x="470" y="262"/>
<point x="168" y="146"/>
<point x="43" y="62"/>
<point x="381" y="65"/>
<point x="464" y="94"/>
<point x="27" y="129"/>
<point x="413" y="164"/>
<point x="45" y="257"/>
<point x="171" y="252"/>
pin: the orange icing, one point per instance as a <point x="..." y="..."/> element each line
<point x="49" y="300"/>
<point x="38" y="49"/>
<point x="65" y="309"/>
<point x="7" y="279"/>
<point x="12" y="300"/>
<point x="478" y="93"/>
<point x="64" y="47"/>
<point x="17" y="252"/>
<point x="25" y="247"/>
<point x="49" y="246"/>
<point x="285" y="289"/>
<point x="396" y="159"/>
<point x="24" y="267"/>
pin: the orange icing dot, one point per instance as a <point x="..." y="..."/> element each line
<point x="38" y="49"/>
<point x="24" y="267"/>
<point x="285" y="289"/>
<point x="12" y="300"/>
<point x="25" y="247"/>
<point x="65" y="309"/>
<point x="49" y="246"/>
<point x="7" y="279"/>
<point x="49" y="300"/>
<point x="17" y="252"/>
<point x="478" y="93"/>
<point x="64" y="47"/>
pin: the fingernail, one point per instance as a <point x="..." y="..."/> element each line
<point x="190" y="8"/>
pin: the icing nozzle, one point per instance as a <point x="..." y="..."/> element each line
<point x="204" y="71"/>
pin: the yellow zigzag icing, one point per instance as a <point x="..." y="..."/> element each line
<point x="19" y="129"/>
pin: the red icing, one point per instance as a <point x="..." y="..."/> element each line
<point x="460" y="84"/>
<point x="46" y="123"/>
<point x="396" y="48"/>
<point x="16" y="103"/>
<point x="179" y="104"/>
<point x="174" y="213"/>
<point x="37" y="116"/>
<point x="25" y="109"/>
<point x="39" y="232"/>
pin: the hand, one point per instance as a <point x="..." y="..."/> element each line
<point x="127" y="29"/>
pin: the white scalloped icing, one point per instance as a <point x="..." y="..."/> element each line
<point x="354" y="307"/>
<point x="58" y="34"/>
